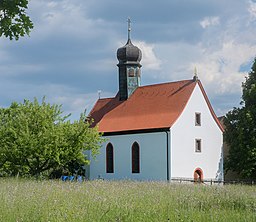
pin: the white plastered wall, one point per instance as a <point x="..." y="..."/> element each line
<point x="184" y="159"/>
<point x="153" y="161"/>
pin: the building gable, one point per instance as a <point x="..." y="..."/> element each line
<point x="197" y="143"/>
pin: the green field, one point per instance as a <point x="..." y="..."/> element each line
<point x="30" y="200"/>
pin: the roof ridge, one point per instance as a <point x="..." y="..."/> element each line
<point x="100" y="99"/>
<point x="165" y="83"/>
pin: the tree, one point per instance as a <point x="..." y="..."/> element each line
<point x="240" y="133"/>
<point x="13" y="19"/>
<point x="36" y="140"/>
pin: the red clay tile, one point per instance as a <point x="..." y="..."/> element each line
<point x="149" y="107"/>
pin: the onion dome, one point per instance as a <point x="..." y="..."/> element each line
<point x="129" y="53"/>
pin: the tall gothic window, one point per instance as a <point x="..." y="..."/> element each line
<point x="135" y="158"/>
<point x="110" y="158"/>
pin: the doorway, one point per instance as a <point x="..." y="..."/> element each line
<point x="198" y="175"/>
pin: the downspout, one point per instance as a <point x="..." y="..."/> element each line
<point x="167" y="156"/>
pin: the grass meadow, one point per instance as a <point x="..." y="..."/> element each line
<point x="31" y="200"/>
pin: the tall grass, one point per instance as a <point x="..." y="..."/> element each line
<point x="29" y="200"/>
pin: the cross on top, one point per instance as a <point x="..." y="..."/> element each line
<point x="129" y="27"/>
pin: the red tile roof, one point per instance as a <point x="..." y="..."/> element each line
<point x="149" y="107"/>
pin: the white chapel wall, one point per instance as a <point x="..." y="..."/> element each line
<point x="184" y="159"/>
<point x="152" y="157"/>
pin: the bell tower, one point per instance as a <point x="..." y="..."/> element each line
<point x="129" y="57"/>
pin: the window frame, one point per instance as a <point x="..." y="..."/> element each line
<point x="109" y="158"/>
<point x="135" y="158"/>
<point x="198" y="145"/>
<point x="198" y="120"/>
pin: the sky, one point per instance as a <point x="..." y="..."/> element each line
<point x="70" y="54"/>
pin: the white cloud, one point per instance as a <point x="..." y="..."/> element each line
<point x="76" y="40"/>
<point x="218" y="67"/>
<point x="66" y="17"/>
<point x="252" y="9"/>
<point x="77" y="103"/>
<point x="219" y="70"/>
<point x="209" y="21"/>
<point x="175" y="58"/>
<point x="149" y="58"/>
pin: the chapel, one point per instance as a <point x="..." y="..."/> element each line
<point x="164" y="131"/>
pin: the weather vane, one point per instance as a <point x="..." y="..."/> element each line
<point x="129" y="27"/>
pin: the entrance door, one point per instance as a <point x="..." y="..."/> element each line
<point x="198" y="175"/>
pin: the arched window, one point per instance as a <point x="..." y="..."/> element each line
<point x="110" y="158"/>
<point x="135" y="158"/>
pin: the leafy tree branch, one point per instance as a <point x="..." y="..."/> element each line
<point x="14" y="22"/>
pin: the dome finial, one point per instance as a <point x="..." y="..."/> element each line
<point x="129" y="53"/>
<point x="129" y="28"/>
